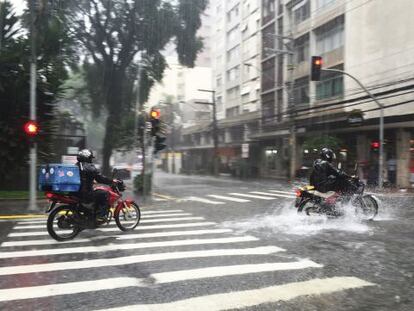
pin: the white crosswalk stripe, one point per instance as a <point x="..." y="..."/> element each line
<point x="273" y="194"/>
<point x="283" y="192"/>
<point x="252" y="196"/>
<point x="227" y="198"/>
<point x="30" y="253"/>
<point x="203" y="200"/>
<point x="250" y="298"/>
<point x="115" y="229"/>
<point x="97" y="263"/>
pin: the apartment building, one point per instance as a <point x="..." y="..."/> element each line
<point x="370" y="40"/>
<point x="236" y="81"/>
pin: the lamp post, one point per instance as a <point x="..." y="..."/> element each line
<point x="215" y="129"/>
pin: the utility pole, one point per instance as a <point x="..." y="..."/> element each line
<point x="288" y="50"/>
<point x="33" y="86"/>
<point x="215" y="129"/>
<point x="381" y="125"/>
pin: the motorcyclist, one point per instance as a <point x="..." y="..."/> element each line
<point x="325" y="177"/>
<point x="88" y="174"/>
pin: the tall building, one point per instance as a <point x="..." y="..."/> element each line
<point x="351" y="36"/>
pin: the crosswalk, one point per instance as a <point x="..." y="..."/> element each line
<point x="220" y="199"/>
<point x="203" y="265"/>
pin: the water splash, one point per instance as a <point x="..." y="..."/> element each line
<point x="286" y="220"/>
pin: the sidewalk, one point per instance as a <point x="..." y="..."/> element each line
<point x="17" y="208"/>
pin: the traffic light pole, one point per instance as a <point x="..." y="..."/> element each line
<point x="381" y="125"/>
<point x="33" y="85"/>
<point x="215" y="130"/>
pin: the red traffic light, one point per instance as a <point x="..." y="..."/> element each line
<point x="31" y="128"/>
<point x="316" y="67"/>
<point x="155" y="113"/>
<point x="375" y="144"/>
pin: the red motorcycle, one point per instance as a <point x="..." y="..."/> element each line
<point x="68" y="215"/>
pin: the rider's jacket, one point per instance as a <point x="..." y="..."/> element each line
<point x="324" y="174"/>
<point x="89" y="173"/>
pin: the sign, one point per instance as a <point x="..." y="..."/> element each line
<point x="355" y="118"/>
<point x="245" y="151"/>
<point x="72" y="150"/>
<point x="69" y="159"/>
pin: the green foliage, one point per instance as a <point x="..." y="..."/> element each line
<point x="320" y="142"/>
<point x="139" y="184"/>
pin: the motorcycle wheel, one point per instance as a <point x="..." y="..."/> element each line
<point x="366" y="206"/>
<point x="127" y="218"/>
<point x="309" y="207"/>
<point x="60" y="224"/>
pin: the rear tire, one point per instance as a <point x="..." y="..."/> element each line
<point x="127" y="218"/>
<point x="61" y="218"/>
<point x="308" y="206"/>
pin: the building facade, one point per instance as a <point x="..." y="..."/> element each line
<point x="350" y="36"/>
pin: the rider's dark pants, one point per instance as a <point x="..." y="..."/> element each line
<point x="100" y="198"/>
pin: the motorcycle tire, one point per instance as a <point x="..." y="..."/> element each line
<point x="120" y="215"/>
<point x="367" y="206"/>
<point x="302" y="207"/>
<point x="63" y="211"/>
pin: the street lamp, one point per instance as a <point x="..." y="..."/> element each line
<point x="215" y="128"/>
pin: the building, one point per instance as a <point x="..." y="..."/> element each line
<point x="350" y="36"/>
<point x="236" y="83"/>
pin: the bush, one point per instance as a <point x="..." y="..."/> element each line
<point x="139" y="184"/>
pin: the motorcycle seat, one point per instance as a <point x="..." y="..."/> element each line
<point x="324" y="195"/>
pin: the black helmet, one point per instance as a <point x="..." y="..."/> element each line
<point x="85" y="155"/>
<point x="327" y="154"/>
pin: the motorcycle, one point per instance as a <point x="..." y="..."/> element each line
<point x="68" y="216"/>
<point x="310" y="201"/>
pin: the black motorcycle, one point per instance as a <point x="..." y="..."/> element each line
<point x="333" y="204"/>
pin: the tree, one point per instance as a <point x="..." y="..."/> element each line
<point x="113" y="33"/>
<point x="14" y="85"/>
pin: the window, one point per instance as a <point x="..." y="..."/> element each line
<point x="279" y="105"/>
<point x="233" y="14"/>
<point x="279" y="80"/>
<point x="301" y="48"/>
<point x="231" y="34"/>
<point x="233" y="74"/>
<point x="323" y="3"/>
<point x="301" y="91"/>
<point x="268" y="9"/>
<point x="231" y="112"/>
<point x="246" y="98"/>
<point x="268" y="107"/>
<point x="330" y="36"/>
<point x="233" y="93"/>
<point x="233" y="54"/>
<point x="331" y="85"/>
<point x="219" y="81"/>
<point x="301" y="13"/>
<point x="279" y="7"/>
<point x="268" y="74"/>
<point x="268" y="40"/>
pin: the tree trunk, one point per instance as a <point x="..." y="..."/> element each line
<point x="114" y="104"/>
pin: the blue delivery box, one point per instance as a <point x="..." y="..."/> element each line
<point x="59" y="178"/>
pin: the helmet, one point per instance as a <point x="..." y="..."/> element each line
<point x="327" y="154"/>
<point x="85" y="155"/>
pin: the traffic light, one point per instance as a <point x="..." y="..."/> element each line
<point x="316" y="67"/>
<point x="375" y="145"/>
<point x="156" y="130"/>
<point x="159" y="143"/>
<point x="31" y="128"/>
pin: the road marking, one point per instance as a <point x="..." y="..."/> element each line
<point x="163" y="196"/>
<point x="165" y="215"/>
<point x="283" y="192"/>
<point x="255" y="297"/>
<point x="66" y="288"/>
<point x="274" y="194"/>
<point x="144" y="221"/>
<point x="202" y="200"/>
<point x="144" y="212"/>
<point x="159" y="200"/>
<point x="252" y="196"/>
<point x="117" y="247"/>
<point x="22" y="216"/>
<point x="222" y="197"/>
<point x="211" y="272"/>
<point x="115" y="229"/>
<point x="126" y="260"/>
<point x="121" y="237"/>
